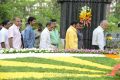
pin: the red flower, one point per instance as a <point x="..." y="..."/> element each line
<point x="115" y="70"/>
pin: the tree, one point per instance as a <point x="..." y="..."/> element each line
<point x="114" y="18"/>
<point x="43" y="10"/>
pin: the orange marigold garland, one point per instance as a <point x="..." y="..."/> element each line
<point x="85" y="16"/>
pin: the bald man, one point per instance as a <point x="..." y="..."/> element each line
<point x="98" y="38"/>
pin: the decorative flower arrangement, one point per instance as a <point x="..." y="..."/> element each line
<point x="115" y="72"/>
<point x="81" y="51"/>
<point x="109" y="37"/>
<point x="27" y="51"/>
<point x="85" y="16"/>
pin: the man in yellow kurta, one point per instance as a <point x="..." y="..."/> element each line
<point x="71" y="36"/>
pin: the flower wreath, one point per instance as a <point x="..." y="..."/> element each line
<point x="85" y="16"/>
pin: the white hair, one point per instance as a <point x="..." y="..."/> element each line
<point x="103" y="22"/>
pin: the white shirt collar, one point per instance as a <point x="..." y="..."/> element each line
<point x="4" y="28"/>
<point x="100" y="28"/>
<point x="16" y="26"/>
<point x="47" y="30"/>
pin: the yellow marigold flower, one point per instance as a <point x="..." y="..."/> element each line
<point x="85" y="16"/>
<point x="109" y="38"/>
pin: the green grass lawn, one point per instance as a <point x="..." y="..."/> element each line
<point x="65" y="74"/>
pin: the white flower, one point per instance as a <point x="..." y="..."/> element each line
<point x="11" y="50"/>
<point x="1" y="51"/>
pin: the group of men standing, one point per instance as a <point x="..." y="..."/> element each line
<point x="74" y="36"/>
<point x="12" y="37"/>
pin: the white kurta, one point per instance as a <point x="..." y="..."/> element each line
<point x="16" y="35"/>
<point x="98" y="38"/>
<point x="4" y="37"/>
<point x="45" y="42"/>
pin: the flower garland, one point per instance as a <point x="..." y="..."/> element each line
<point x="85" y="16"/>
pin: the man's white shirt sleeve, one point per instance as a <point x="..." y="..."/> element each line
<point x="2" y="37"/>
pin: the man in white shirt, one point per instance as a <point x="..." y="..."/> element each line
<point x="14" y="34"/>
<point x="98" y="38"/>
<point x="4" y="34"/>
<point x="0" y="31"/>
<point x="45" y="42"/>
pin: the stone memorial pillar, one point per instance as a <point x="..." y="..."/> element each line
<point x="70" y="10"/>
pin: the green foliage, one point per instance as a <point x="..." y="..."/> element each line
<point x="4" y="12"/>
<point x="117" y="11"/>
<point x="43" y="10"/>
<point x="113" y="23"/>
<point x="114" y="18"/>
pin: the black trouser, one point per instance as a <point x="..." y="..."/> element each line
<point x="95" y="47"/>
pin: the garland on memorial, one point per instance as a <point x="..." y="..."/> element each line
<point x="85" y="16"/>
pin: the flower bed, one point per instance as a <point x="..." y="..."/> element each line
<point x="54" y="68"/>
<point x="112" y="56"/>
<point x="81" y="51"/>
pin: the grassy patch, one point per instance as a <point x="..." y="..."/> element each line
<point x="69" y="78"/>
<point x="28" y="69"/>
<point x="100" y="60"/>
<point x="103" y="61"/>
<point x="54" y="62"/>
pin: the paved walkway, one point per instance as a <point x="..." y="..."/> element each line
<point x="22" y="55"/>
